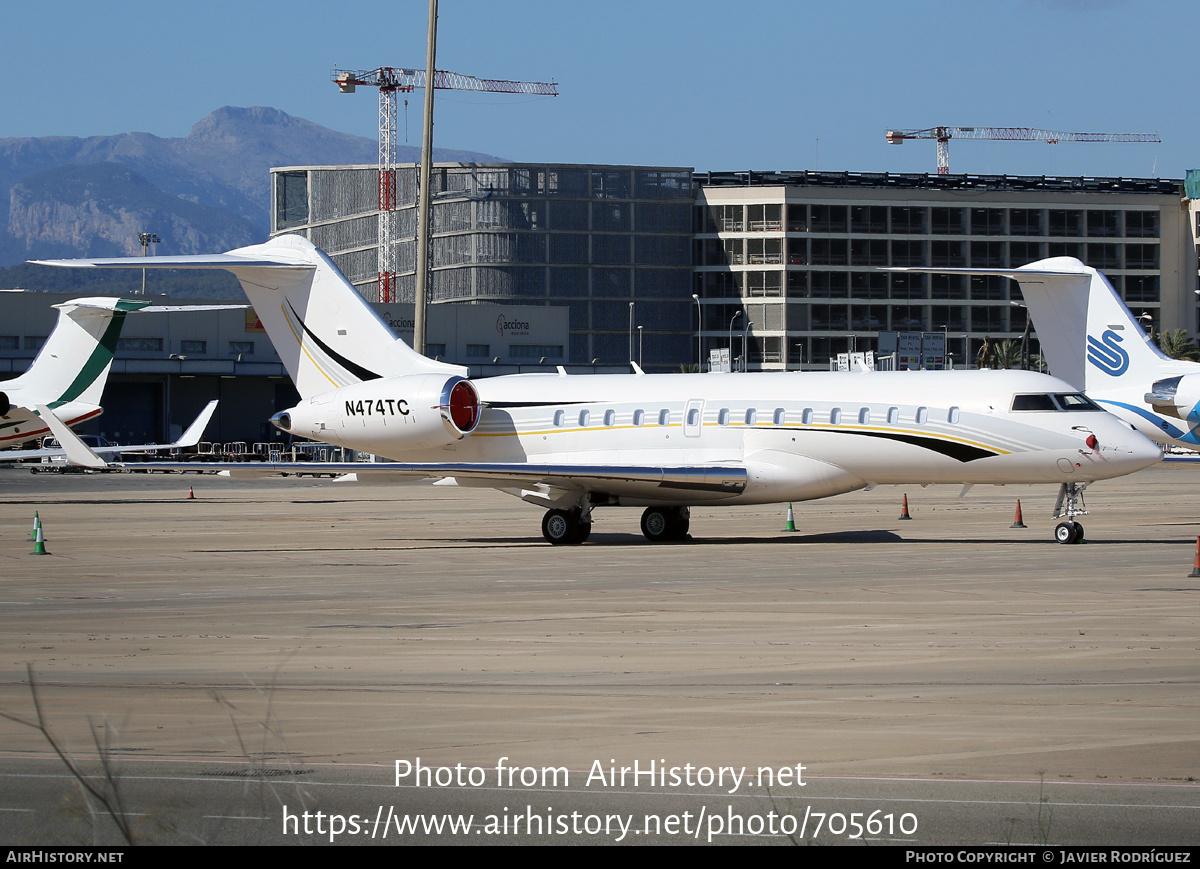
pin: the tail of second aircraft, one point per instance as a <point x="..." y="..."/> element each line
<point x="74" y="362"/>
<point x="323" y="330"/>
<point x="1088" y="335"/>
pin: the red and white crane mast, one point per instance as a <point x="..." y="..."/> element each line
<point x="390" y="81"/>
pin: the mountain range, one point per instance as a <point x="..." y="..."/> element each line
<point x="209" y="190"/>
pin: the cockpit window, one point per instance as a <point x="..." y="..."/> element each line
<point x="1033" y="402"/>
<point x="1059" y="401"/>
<point x="1075" y="401"/>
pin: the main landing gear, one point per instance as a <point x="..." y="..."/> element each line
<point x="666" y="524"/>
<point x="566" y="526"/>
<point x="1070" y="504"/>
<point x="659" y="524"/>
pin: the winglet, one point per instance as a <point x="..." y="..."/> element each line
<point x="78" y="453"/>
<point x="195" y="431"/>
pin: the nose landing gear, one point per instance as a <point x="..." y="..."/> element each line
<point x="1070" y="504"/>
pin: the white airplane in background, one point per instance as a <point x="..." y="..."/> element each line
<point x="69" y="373"/>
<point x="1090" y="339"/>
<point x="666" y="442"/>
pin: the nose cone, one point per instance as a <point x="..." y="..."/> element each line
<point x="1129" y="450"/>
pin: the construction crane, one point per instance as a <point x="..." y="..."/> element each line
<point x="393" y="80"/>
<point x="1009" y="134"/>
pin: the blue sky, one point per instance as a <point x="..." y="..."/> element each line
<point x="712" y="85"/>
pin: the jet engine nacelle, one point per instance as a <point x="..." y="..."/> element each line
<point x="1177" y="397"/>
<point x="389" y="415"/>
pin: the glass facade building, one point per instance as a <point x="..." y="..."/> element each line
<point x="788" y="266"/>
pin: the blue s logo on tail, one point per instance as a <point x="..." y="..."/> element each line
<point x="1107" y="354"/>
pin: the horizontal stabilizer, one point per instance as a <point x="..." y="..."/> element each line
<point x="77" y="452"/>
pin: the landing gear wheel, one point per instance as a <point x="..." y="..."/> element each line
<point x="1079" y="532"/>
<point x="663" y="524"/>
<point x="561" y="526"/>
<point x="583" y="532"/>
<point x="656" y="524"/>
<point x="1067" y="532"/>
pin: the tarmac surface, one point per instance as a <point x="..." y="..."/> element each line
<point x="285" y="642"/>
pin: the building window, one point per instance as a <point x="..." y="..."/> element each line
<point x="828" y="218"/>
<point x="239" y="348"/>
<point x="139" y="345"/>
<point x="477" y="351"/>
<point x="291" y="199"/>
<point x="868" y="218"/>
<point x="35" y="342"/>
<point x="1066" y="223"/>
<point x="193" y="347"/>
<point x="1103" y="224"/>
<point x="1141" y="224"/>
<point x="10" y="342"/>
<point x="909" y="221"/>
<point x="1025" y="221"/>
<point x="1104" y="256"/>
<point x="534" y="351"/>
<point x="1141" y="256"/>
<point x="949" y="221"/>
<point x="987" y="221"/>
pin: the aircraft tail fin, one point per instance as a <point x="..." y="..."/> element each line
<point x="74" y="361"/>
<point x="324" y="332"/>
<point x="1086" y="332"/>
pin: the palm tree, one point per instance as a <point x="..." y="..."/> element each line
<point x="1007" y="354"/>
<point x="1179" y="345"/>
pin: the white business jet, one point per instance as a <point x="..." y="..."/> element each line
<point x="665" y="442"/>
<point x="1091" y="340"/>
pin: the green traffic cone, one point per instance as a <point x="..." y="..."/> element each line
<point x="791" y="520"/>
<point x="39" y="547"/>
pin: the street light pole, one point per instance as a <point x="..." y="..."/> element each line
<point x="736" y="314"/>
<point x="146" y="239"/>
<point x="699" y="329"/>
<point x="631" y="331"/>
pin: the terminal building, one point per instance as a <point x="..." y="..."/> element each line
<point x="665" y="265"/>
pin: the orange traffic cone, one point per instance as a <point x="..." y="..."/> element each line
<point x="1017" y="523"/>
<point x="1196" y="563"/>
<point x="191" y="495"/>
<point x="904" y="509"/>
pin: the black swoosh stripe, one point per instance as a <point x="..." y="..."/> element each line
<point x="354" y="368"/>
<point x="951" y="449"/>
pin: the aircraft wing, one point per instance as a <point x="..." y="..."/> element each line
<point x="710" y="482"/>
<point x="629" y="480"/>
<point x="189" y="438"/>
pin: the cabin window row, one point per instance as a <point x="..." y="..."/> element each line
<point x="780" y="416"/>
